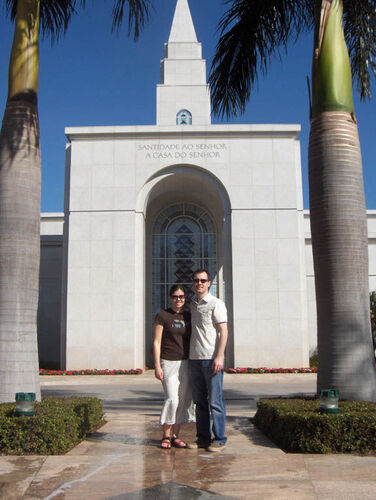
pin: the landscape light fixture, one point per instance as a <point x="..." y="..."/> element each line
<point x="25" y="403"/>
<point x="329" y="401"/>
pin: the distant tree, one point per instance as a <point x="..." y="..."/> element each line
<point x="252" y="31"/>
<point x="20" y="166"/>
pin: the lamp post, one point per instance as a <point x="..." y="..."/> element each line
<point x="329" y="401"/>
<point x="25" y="403"/>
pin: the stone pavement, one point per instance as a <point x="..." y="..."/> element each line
<point x="122" y="460"/>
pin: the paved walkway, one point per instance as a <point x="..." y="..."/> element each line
<point x="123" y="461"/>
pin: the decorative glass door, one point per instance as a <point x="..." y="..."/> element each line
<point x="183" y="239"/>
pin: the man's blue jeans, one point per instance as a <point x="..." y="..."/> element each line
<point x="207" y="394"/>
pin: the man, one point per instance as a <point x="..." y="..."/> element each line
<point x="206" y="359"/>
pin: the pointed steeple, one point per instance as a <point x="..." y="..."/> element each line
<point x="182" y="29"/>
<point x="183" y="91"/>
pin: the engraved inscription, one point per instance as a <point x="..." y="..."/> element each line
<point x="177" y="151"/>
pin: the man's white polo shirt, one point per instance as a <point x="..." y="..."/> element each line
<point x="205" y="316"/>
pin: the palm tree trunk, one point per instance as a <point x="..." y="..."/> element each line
<point x="340" y="252"/>
<point x="20" y="183"/>
<point x="338" y="217"/>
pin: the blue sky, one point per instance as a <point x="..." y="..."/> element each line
<point x="95" y="77"/>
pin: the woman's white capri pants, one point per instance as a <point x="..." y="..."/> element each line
<point x="178" y="407"/>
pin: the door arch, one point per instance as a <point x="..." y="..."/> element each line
<point x="192" y="192"/>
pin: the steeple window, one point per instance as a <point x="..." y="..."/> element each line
<point x="184" y="117"/>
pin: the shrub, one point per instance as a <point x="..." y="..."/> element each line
<point x="372" y="300"/>
<point x="297" y="425"/>
<point x="57" y="426"/>
<point x="314" y="360"/>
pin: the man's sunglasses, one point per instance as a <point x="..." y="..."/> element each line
<point x="197" y="280"/>
<point x="176" y="297"/>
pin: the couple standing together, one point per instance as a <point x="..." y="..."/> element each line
<point x="189" y="348"/>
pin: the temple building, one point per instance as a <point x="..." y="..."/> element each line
<point x="147" y="205"/>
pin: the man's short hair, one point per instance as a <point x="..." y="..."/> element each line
<point x="199" y="271"/>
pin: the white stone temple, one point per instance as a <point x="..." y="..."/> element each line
<point x="147" y="205"/>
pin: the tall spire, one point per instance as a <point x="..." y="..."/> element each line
<point x="182" y="29"/>
<point x="183" y="91"/>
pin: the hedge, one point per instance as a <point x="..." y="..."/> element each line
<point x="296" y="425"/>
<point x="57" y="426"/>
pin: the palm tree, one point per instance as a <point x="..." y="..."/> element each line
<point x="20" y="166"/>
<point x="251" y="32"/>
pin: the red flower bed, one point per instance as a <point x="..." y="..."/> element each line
<point x="94" y="371"/>
<point x="312" y="369"/>
<point x="138" y="371"/>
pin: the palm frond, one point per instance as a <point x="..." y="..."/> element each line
<point x="138" y="15"/>
<point x="55" y="15"/>
<point x="360" y="35"/>
<point x="252" y="32"/>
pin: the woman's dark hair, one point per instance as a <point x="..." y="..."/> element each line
<point x="174" y="288"/>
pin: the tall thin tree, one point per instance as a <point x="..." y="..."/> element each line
<point x="338" y="217"/>
<point x="20" y="183"/>
<point x="252" y="32"/>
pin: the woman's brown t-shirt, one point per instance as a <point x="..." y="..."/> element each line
<point x="176" y="334"/>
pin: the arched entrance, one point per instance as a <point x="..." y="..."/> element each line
<point x="187" y="226"/>
<point x="184" y="238"/>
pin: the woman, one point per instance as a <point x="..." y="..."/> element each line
<point x="172" y="331"/>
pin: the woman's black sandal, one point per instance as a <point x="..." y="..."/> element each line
<point x="166" y="440"/>
<point x="178" y="443"/>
